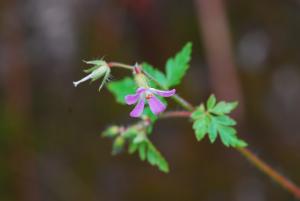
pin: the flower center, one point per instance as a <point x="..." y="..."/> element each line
<point x="148" y="96"/>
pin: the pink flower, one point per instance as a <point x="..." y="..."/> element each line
<point x="143" y="94"/>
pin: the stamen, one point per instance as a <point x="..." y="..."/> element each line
<point x="148" y="96"/>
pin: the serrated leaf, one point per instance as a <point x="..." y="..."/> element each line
<point x="229" y="138"/>
<point x="212" y="131"/>
<point x="156" y="74"/>
<point x="224" y="107"/>
<point x="155" y="158"/>
<point x="142" y="151"/>
<point x="214" y="121"/>
<point x="176" y="67"/>
<point x="122" y="88"/>
<point x="200" y="126"/>
<point x="211" y="102"/>
<point x="227" y="134"/>
<point x="225" y="120"/>
<point x="199" y="112"/>
<point x="200" y="133"/>
<point x="239" y="143"/>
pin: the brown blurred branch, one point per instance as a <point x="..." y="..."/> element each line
<point x="217" y="42"/>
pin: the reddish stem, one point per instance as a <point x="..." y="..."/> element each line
<point x="252" y="158"/>
<point x="175" y="114"/>
<point x="276" y="176"/>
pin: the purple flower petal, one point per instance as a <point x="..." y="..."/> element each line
<point x="156" y="106"/>
<point x="133" y="98"/>
<point x="138" y="109"/>
<point x="163" y="93"/>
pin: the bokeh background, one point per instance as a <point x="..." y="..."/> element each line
<point x="50" y="144"/>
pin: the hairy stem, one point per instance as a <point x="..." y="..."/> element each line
<point x="249" y="155"/>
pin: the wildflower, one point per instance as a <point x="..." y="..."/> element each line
<point x="146" y="94"/>
<point x="99" y="70"/>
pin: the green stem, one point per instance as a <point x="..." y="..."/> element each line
<point x="249" y="155"/>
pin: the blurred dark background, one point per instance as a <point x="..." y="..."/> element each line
<point x="50" y="148"/>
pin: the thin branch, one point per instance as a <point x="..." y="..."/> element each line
<point x="170" y="114"/>
<point x="265" y="168"/>
<point x="252" y="158"/>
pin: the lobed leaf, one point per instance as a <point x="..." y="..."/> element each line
<point x="176" y="67"/>
<point x="213" y="121"/>
<point x="224" y="107"/>
<point x="211" y="102"/>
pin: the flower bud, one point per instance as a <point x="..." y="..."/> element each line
<point x="140" y="78"/>
<point x="100" y="69"/>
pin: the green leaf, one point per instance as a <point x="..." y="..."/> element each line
<point x="148" y="151"/>
<point x="111" y="131"/>
<point x="139" y="138"/>
<point x="136" y="136"/>
<point x="212" y="130"/>
<point x="156" y="74"/>
<point x="229" y="138"/>
<point x="200" y="133"/>
<point x="132" y="148"/>
<point x="214" y="121"/>
<point x="118" y="145"/>
<point x="130" y="133"/>
<point x="154" y="157"/>
<point x="224" y="107"/>
<point x="176" y="67"/>
<point x="211" y="102"/>
<point x="142" y="151"/>
<point x="225" y="120"/>
<point x="122" y="88"/>
<point x="199" y="112"/>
